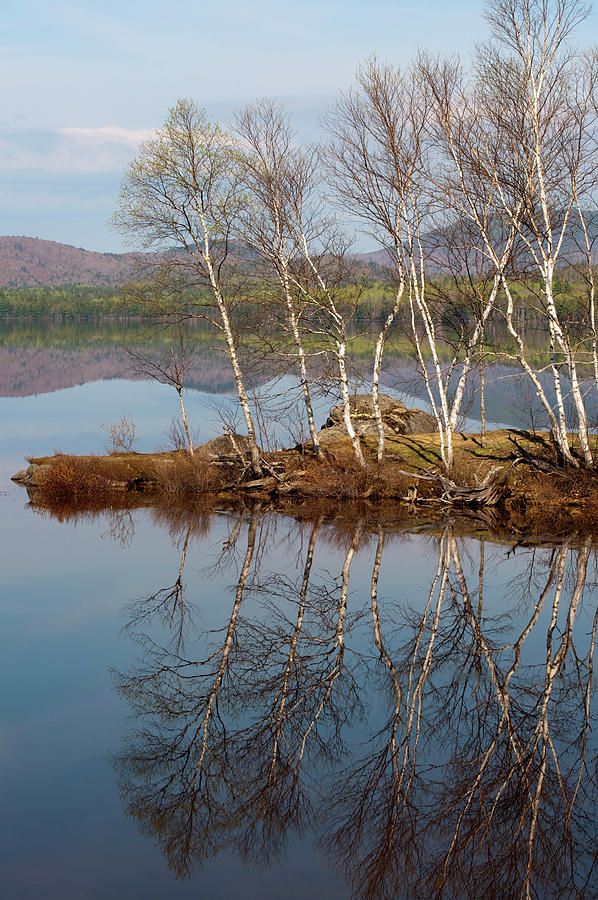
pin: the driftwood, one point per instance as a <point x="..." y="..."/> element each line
<point x="491" y="491"/>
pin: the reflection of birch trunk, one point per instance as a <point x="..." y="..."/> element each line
<point x="338" y="649"/>
<point x="541" y="741"/>
<point x="404" y="747"/>
<point x="375" y="806"/>
<point x="200" y="725"/>
<point x="282" y="696"/>
<point x="505" y="721"/>
<point x="168" y="604"/>
<point x="172" y="774"/>
<point x="179" y="602"/>
<point x="505" y="772"/>
<point x="267" y="755"/>
<point x="532" y="752"/>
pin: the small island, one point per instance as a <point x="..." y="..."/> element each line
<point x="510" y="483"/>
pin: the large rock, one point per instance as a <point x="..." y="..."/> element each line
<point x="32" y="476"/>
<point x="223" y="445"/>
<point x="396" y="417"/>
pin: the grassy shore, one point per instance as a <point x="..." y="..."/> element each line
<point x="528" y="492"/>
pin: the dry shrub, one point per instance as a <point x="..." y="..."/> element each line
<point x="71" y="479"/>
<point x="186" y="474"/>
<point x="121" y="435"/>
<point x="564" y="500"/>
<point x="339" y="476"/>
<point x="468" y="471"/>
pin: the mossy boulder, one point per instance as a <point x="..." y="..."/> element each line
<point x="397" y="419"/>
<point x="226" y="444"/>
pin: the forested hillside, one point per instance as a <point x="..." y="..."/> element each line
<point x="26" y="262"/>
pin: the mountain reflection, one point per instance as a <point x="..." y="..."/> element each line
<point x="439" y="743"/>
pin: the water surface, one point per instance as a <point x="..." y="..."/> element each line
<point x="220" y="704"/>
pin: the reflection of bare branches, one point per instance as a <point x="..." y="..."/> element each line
<point x="519" y="789"/>
<point x="166" y="604"/>
<point x="121" y="526"/>
<point x="195" y="768"/>
<point x="475" y="781"/>
<point x="294" y="685"/>
<point x="268" y="761"/>
<point x="506" y="818"/>
<point x="172" y="777"/>
<point x="373" y="806"/>
<point x="229" y="555"/>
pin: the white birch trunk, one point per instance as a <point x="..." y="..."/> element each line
<point x="560" y="437"/>
<point x="376" y="371"/>
<point x="185" y="423"/>
<point x="341" y="350"/>
<point x="565" y="346"/>
<point x="302" y="364"/>
<point x="442" y="415"/>
<point x="482" y="395"/>
<point x="233" y="356"/>
<point x="424" y="370"/>
<point x="355" y="443"/>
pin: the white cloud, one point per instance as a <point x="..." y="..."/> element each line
<point x="70" y="151"/>
<point x="110" y="134"/>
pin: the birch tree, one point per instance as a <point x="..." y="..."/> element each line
<point x="278" y="177"/>
<point x="180" y="196"/>
<point x="170" y="369"/>
<point x="518" y="136"/>
<point x="324" y="275"/>
<point x="533" y="63"/>
<point x="372" y="160"/>
<point x="382" y="160"/>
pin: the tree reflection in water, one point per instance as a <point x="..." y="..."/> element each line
<point x="473" y="774"/>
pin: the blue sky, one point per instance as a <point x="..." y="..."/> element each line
<point x="86" y="81"/>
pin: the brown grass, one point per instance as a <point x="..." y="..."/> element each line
<point x="338" y="476"/>
<point x="91" y="482"/>
<point x="554" y="504"/>
<point x="186" y="474"/>
<point x="73" y="478"/>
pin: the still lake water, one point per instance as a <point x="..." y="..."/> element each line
<point x="245" y="705"/>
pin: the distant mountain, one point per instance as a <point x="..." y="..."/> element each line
<point x="26" y="261"/>
<point x="29" y="262"/>
<point x="375" y="261"/>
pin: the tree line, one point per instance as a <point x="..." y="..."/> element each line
<point x="485" y="174"/>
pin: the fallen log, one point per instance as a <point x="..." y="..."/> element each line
<point x="491" y="491"/>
